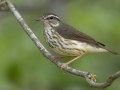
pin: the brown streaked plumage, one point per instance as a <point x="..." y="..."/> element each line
<point x="67" y="41"/>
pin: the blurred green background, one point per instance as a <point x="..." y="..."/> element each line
<point x="22" y="65"/>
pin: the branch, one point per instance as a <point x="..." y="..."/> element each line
<point x="88" y="76"/>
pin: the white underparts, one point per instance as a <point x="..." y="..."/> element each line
<point x="68" y="47"/>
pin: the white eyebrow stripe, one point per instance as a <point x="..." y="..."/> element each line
<point x="53" y="16"/>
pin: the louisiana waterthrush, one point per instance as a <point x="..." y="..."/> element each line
<point x="67" y="41"/>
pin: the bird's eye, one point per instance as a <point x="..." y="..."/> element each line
<point x="51" y="18"/>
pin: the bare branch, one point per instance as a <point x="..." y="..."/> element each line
<point x="88" y="76"/>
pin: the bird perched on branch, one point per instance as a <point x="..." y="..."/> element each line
<point x="67" y="41"/>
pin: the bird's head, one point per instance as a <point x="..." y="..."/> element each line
<point x="50" y="19"/>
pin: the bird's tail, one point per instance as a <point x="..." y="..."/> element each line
<point x="113" y="52"/>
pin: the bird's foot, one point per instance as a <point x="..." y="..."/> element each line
<point x="64" y="65"/>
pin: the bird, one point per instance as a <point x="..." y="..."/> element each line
<point x="67" y="41"/>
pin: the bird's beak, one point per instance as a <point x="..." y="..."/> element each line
<point x="40" y="19"/>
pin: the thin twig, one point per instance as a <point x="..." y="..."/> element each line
<point x="88" y="76"/>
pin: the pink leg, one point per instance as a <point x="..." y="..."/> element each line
<point x="66" y="64"/>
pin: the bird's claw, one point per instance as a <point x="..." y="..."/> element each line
<point x="63" y="65"/>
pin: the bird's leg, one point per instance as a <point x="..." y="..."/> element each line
<point x="66" y="64"/>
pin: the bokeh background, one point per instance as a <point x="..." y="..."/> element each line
<point x="22" y="65"/>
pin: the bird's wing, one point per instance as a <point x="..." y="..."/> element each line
<point x="69" y="32"/>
